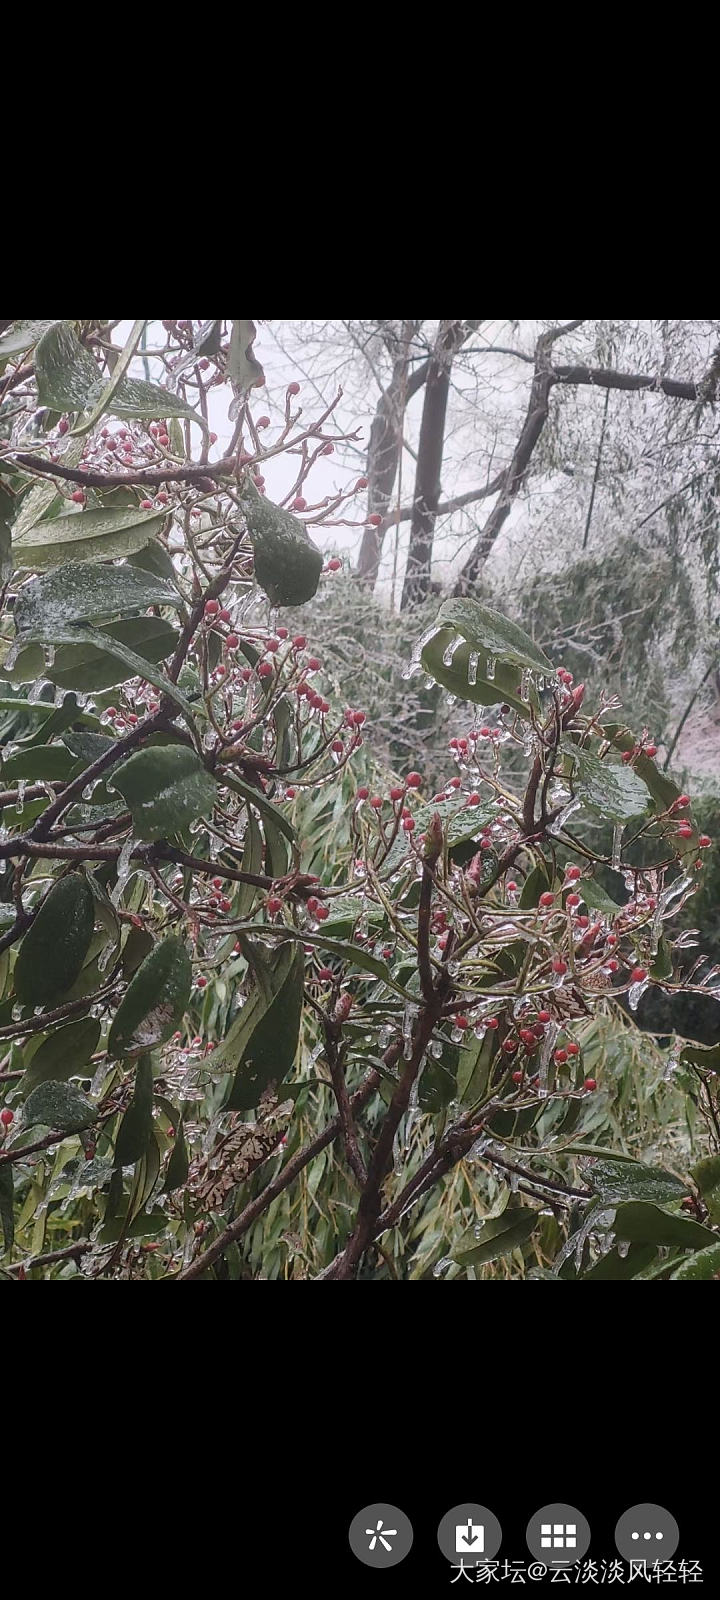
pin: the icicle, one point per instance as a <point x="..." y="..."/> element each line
<point x="490" y="666"/>
<point x="11" y="657"/>
<point x="472" y="666"/>
<point x="20" y="802"/>
<point x="450" y="650"/>
<point x="616" y="843"/>
<point x="457" y="1035"/>
<point x="450" y="699"/>
<point x="635" y="993"/>
<point x="540" y="685"/>
<point x="408" y="1021"/>
<point x="436" y="1049"/>
<point x="671" y="1066"/>
<point x="623" y="1247"/>
<point x="546" y="1053"/>
<point x="123" y="869"/>
<point x="442" y="1267"/>
<point x="415" y="662"/>
<point x="525" y="682"/>
<point x="36" y="693"/>
<point x="567" y="811"/>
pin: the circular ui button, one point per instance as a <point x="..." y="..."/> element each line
<point x="647" y="1533"/>
<point x="469" y="1533"/>
<point x="558" y="1535"/>
<point x="380" y="1535"/>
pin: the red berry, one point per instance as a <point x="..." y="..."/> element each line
<point x="217" y="883"/>
<point x="290" y="794"/>
<point x="547" y="899"/>
<point x="362" y="483"/>
<point x="517" y="1077"/>
<point x="461" y="1022"/>
<point x="573" y="900"/>
<point x="312" y="903"/>
<point x="573" y="1049"/>
<point x="559" y="965"/>
<point x="213" y="438"/>
<point x="638" y="975"/>
<point x="334" y="565"/>
<point x="299" y="641"/>
<point x="322" y="913"/>
<point x="274" y="904"/>
<point x="492" y="1022"/>
<point x="560" y="1056"/>
<point x="299" y="504"/>
<point x="685" y="831"/>
<point x="454" y="783"/>
<point x="263" y="422"/>
<point x="211" y="608"/>
<point x="293" y="388"/>
<point x="224" y="615"/>
<point x="612" y="965"/>
<point x="63" y="425"/>
<point x="313" y="664"/>
<point x="474" y="800"/>
<point x="362" y="792"/>
<point x="79" y="497"/>
<point x="510" y="1046"/>
<point x="528" y="1038"/>
<point x="374" y="520"/>
<point x="704" y="841"/>
<point x="145" y="505"/>
<point x="376" y="802"/>
<point x="396" y="793"/>
<point x="264" y="669"/>
<point x="408" y="824"/>
<point x="590" y="1084"/>
<point x="511" y="886"/>
<point x="572" y="874"/>
<point x="6" y="1117"/>
<point x="337" y="746"/>
<point x="111" y="711"/>
<point x="325" y="975"/>
<point x="201" y="983"/>
<point x="232" y="641"/>
<point x="651" y="749"/>
<point x="414" y="780"/>
<point x="544" y="1016"/>
<point x="359" y="717"/>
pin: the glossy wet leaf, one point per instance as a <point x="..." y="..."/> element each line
<point x="613" y="1267"/>
<point x="271" y="1049"/>
<point x="50" y="761"/>
<point x="645" y="1223"/>
<point x="59" y="1105"/>
<point x="84" y="536"/>
<point x="178" y="1165"/>
<point x="79" y="592"/>
<point x="243" y="370"/>
<point x="21" y="336"/>
<point x="69" y="379"/>
<point x="705" y="1264"/>
<point x="460" y="823"/>
<point x="256" y="798"/>
<point x="7" y="506"/>
<point x="497" y="1236"/>
<point x="135" y="1131"/>
<point x="165" y="790"/>
<point x="596" y="898"/>
<point x="489" y="631"/>
<point x="63" y="1053"/>
<point x="503" y="687"/>
<point x="7" y="1207"/>
<point x="616" y="1179"/>
<point x="54" y="948"/>
<point x="136" y="665"/>
<point x="615" y="791"/>
<point x="155" y="1001"/>
<point x="287" y="563"/>
<point x="706" y="1174"/>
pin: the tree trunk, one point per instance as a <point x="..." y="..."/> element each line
<point x="385" y="448"/>
<point x="429" y="466"/>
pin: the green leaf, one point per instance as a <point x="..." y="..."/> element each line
<point x="498" y="1236"/>
<point x="287" y="563"/>
<point x="617" y="792"/>
<point x="50" y="761"/>
<point x="243" y="369"/>
<point x="85" y="536"/>
<point x="137" y="666"/>
<point x="155" y="1001"/>
<point x="166" y="788"/>
<point x="122" y="363"/>
<point x="7" y="1215"/>
<point x="616" y="1179"/>
<point x="62" y="1054"/>
<point x="270" y="1052"/>
<point x="178" y="1166"/>
<point x="59" y="1105"/>
<point x="136" y="1128"/>
<point x="491" y="632"/>
<point x="87" y="669"/>
<point x="662" y="965"/>
<point x="502" y="687"/>
<point x="251" y="862"/>
<point x="69" y="379"/>
<point x="21" y="336"/>
<point x="613" y="1266"/>
<point x="707" y="1058"/>
<point x="644" y="1223"/>
<point x="255" y="798"/>
<point x="596" y="898"/>
<point x="53" y="951"/>
<point x="80" y="592"/>
<point x="704" y="1264"/>
<point x="7" y="505"/>
<point x="706" y="1174"/>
